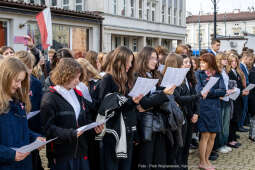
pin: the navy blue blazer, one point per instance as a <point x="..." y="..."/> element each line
<point x="34" y="123"/>
<point x="246" y="74"/>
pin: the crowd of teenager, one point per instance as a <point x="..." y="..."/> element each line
<point x="151" y="132"/>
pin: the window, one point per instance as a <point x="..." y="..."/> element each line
<point x="175" y="16"/>
<point x="126" y="42"/>
<point x="180" y="12"/>
<point x="79" y="5"/>
<point x="134" y="44"/>
<point x="153" y="8"/>
<point x="54" y="3"/>
<point x="123" y="10"/>
<point x="132" y="4"/>
<point x="66" y="4"/>
<point x="169" y="11"/>
<point x="149" y="41"/>
<point x="115" y="7"/>
<point x="3" y="33"/>
<point x="148" y="11"/>
<point x="117" y="41"/>
<point x="163" y="10"/>
<point x="140" y="9"/>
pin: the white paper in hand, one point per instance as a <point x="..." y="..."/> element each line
<point x="85" y="91"/>
<point x="91" y="126"/>
<point x="212" y="81"/>
<point x="250" y="87"/>
<point x="174" y="76"/>
<point x="142" y="86"/>
<point x="33" y="146"/>
<point x="235" y="95"/>
<point x="32" y="114"/>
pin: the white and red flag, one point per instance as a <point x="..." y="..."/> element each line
<point x="45" y="26"/>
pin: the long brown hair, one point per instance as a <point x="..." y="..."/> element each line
<point x="143" y="60"/>
<point x="10" y="68"/>
<point x="219" y="57"/>
<point x="117" y="68"/>
<point x="211" y="61"/>
<point x="173" y="60"/>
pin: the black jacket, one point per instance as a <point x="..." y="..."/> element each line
<point x="59" y="120"/>
<point x="252" y="92"/>
<point x="187" y="100"/>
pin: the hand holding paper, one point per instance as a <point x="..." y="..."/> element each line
<point x="249" y="87"/>
<point x="90" y="126"/>
<point x="212" y="81"/>
<point x="142" y="86"/>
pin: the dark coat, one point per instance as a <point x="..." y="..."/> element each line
<point x="34" y="123"/>
<point x="252" y="93"/>
<point x="14" y="133"/>
<point x="59" y="120"/>
<point x="210" y="108"/>
<point x="238" y="103"/>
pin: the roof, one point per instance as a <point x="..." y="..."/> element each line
<point x="240" y="16"/>
<point x="34" y="8"/>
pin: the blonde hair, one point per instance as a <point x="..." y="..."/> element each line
<point x="232" y="57"/>
<point x="88" y="70"/>
<point x="10" y="68"/>
<point x="219" y="57"/>
<point x="26" y="57"/>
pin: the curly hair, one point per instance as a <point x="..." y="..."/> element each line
<point x="65" y="71"/>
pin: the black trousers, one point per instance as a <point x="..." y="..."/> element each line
<point x="109" y="156"/>
<point x="36" y="160"/>
<point x="153" y="155"/>
<point x="183" y="153"/>
<point x="232" y="131"/>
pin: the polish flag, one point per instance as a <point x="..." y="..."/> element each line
<point x="45" y="26"/>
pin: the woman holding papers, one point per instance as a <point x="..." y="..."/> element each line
<point x="35" y="95"/>
<point x="186" y="97"/>
<point x="14" y="104"/>
<point x="222" y="136"/>
<point x="152" y="152"/>
<point x="89" y="89"/>
<point x="235" y="73"/>
<point x="209" y="107"/>
<point x="63" y="110"/>
<point x="119" y="78"/>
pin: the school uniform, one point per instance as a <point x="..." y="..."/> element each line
<point x="62" y="112"/>
<point x="238" y="106"/>
<point x="186" y="97"/>
<point x="251" y="105"/>
<point x="111" y="159"/>
<point x="245" y="70"/>
<point x="14" y="133"/>
<point x="34" y="123"/>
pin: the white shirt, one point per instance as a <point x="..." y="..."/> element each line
<point x="214" y="52"/>
<point x="71" y="98"/>
<point x="226" y="82"/>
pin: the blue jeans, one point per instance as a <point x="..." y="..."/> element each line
<point x="244" y="112"/>
<point x="225" y="122"/>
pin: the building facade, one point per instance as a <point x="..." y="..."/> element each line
<point x="232" y="24"/>
<point x="79" y="31"/>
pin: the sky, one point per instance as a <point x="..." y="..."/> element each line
<point x="206" y="6"/>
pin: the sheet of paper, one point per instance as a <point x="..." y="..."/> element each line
<point x="250" y="87"/>
<point x="91" y="125"/>
<point x="33" y="146"/>
<point x="85" y="91"/>
<point x="212" y="81"/>
<point x="174" y="76"/>
<point x="32" y="114"/>
<point x="161" y="68"/>
<point x="235" y="95"/>
<point x="143" y="86"/>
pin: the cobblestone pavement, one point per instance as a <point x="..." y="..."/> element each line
<point x="242" y="158"/>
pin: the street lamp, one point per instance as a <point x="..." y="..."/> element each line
<point x="215" y="2"/>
